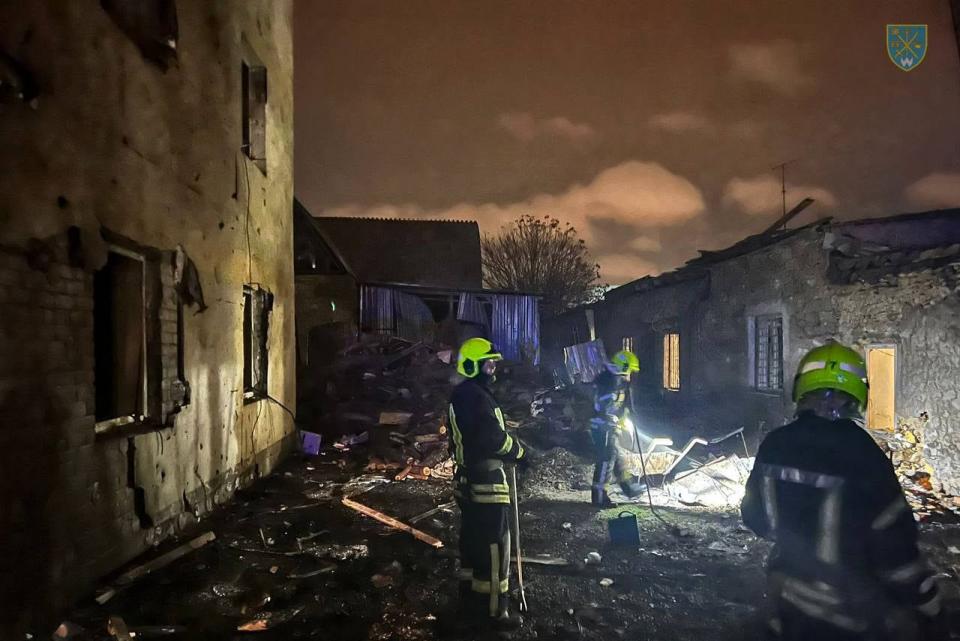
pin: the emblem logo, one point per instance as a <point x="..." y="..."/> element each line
<point x="907" y="45"/>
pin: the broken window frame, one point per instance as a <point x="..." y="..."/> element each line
<point x="255" y="381"/>
<point x="254" y="95"/>
<point x="671" y="361"/>
<point x="767" y="352"/>
<point x="107" y="424"/>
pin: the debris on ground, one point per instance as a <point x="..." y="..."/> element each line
<point x="166" y="559"/>
<point x="392" y="522"/>
<point x="717" y="483"/>
<point x="904" y="447"/>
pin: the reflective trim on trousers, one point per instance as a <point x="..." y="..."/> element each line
<point x="490" y="488"/>
<point x="816" y="609"/>
<point x="483" y="587"/>
<point x="495" y="578"/>
<point x="491" y="498"/>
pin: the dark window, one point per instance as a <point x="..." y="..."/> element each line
<point x="768" y="353"/>
<point x="254" y="96"/>
<point x="119" y="338"/>
<point x="257" y="304"/>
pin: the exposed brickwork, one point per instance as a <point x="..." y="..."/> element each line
<point x="122" y="152"/>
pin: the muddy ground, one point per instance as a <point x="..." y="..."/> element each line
<point x="701" y="578"/>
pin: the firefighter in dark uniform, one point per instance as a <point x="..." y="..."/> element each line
<point x="608" y="428"/>
<point x="481" y="447"/>
<point x="846" y="564"/>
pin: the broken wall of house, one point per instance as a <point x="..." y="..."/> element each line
<point x="718" y="318"/>
<point x="154" y="157"/>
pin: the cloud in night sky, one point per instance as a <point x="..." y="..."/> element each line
<point x="643" y="196"/>
<point x="775" y="64"/>
<point x="761" y="195"/>
<point x="525" y="128"/>
<point x="650" y="126"/>
<point x="680" y="122"/>
<point x="936" y="190"/>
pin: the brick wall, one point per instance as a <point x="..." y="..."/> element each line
<point x="153" y="157"/>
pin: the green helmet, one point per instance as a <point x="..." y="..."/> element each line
<point x="832" y="366"/>
<point x="472" y="353"/>
<point x="625" y="362"/>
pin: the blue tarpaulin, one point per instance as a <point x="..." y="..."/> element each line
<point x="585" y="360"/>
<point x="516" y="327"/>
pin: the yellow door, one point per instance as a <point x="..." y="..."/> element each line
<point x="881" y="372"/>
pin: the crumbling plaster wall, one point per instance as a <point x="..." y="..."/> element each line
<point x="153" y="156"/>
<point x="919" y="313"/>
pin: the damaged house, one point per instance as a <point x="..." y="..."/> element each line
<point x="146" y="279"/>
<point x="420" y="280"/>
<point x="719" y="339"/>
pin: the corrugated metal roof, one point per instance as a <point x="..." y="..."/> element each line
<point x="419" y="252"/>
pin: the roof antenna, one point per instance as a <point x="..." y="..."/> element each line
<point x="783" y="183"/>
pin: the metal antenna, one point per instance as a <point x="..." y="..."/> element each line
<point x="783" y="184"/>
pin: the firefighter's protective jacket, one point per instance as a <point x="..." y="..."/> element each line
<point x="609" y="401"/>
<point x="479" y="443"/>
<point x="846" y="540"/>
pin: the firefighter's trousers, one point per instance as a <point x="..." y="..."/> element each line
<point x="607" y="464"/>
<point x="483" y="496"/>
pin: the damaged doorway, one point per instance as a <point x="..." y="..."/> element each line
<point x="882" y="374"/>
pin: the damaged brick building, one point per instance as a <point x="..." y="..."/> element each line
<point x="720" y="338"/>
<point x="146" y="278"/>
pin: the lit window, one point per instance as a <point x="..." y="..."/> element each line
<point x="628" y="343"/>
<point x="671" y="362"/>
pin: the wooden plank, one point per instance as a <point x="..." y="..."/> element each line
<point x="162" y="561"/>
<point x="392" y="522"/>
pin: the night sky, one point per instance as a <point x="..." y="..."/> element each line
<point x="652" y="126"/>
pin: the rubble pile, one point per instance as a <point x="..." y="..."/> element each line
<point x="385" y="398"/>
<point x="564" y="408"/>
<point x="904" y="446"/>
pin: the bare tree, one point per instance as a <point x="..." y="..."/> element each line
<point x="540" y="256"/>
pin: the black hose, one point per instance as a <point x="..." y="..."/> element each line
<point x="643" y="464"/>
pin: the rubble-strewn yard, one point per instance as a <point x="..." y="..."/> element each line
<point x="290" y="561"/>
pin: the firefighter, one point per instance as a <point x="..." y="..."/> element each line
<point x="481" y="447"/>
<point x="608" y="429"/>
<point x="845" y="565"/>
